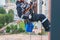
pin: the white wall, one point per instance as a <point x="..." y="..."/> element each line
<point x="45" y="7"/>
<point x="2" y="2"/>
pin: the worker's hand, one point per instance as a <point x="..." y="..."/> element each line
<point x="30" y="16"/>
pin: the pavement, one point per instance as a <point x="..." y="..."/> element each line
<point x="23" y="37"/>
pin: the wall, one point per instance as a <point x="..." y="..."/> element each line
<point x="2" y="2"/>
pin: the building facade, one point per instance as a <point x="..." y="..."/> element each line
<point x="2" y="3"/>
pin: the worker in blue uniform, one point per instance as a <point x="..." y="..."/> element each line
<point x="25" y="11"/>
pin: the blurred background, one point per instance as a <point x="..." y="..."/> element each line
<point x="11" y="25"/>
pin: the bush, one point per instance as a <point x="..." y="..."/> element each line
<point x="15" y="30"/>
<point x="22" y="25"/>
<point x="11" y="11"/>
<point x="9" y="18"/>
<point x="1" y="25"/>
<point x="13" y="27"/>
<point x="21" y="30"/>
<point x="8" y="29"/>
<point x="2" y="20"/>
<point x="5" y="18"/>
<point x="2" y="10"/>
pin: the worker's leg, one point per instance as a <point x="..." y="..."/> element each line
<point x="45" y="22"/>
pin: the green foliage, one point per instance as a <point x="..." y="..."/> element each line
<point x="22" y="25"/>
<point x="11" y="11"/>
<point x="9" y="18"/>
<point x="2" y="10"/>
<point x="1" y="25"/>
<point x="5" y="18"/>
<point x="8" y="29"/>
<point x="14" y="29"/>
<point x="21" y="30"/>
<point x="2" y="19"/>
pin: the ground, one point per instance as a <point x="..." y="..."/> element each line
<point x="23" y="37"/>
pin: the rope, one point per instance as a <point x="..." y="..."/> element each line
<point x="30" y="36"/>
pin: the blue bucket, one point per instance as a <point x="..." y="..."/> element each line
<point x="29" y="27"/>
